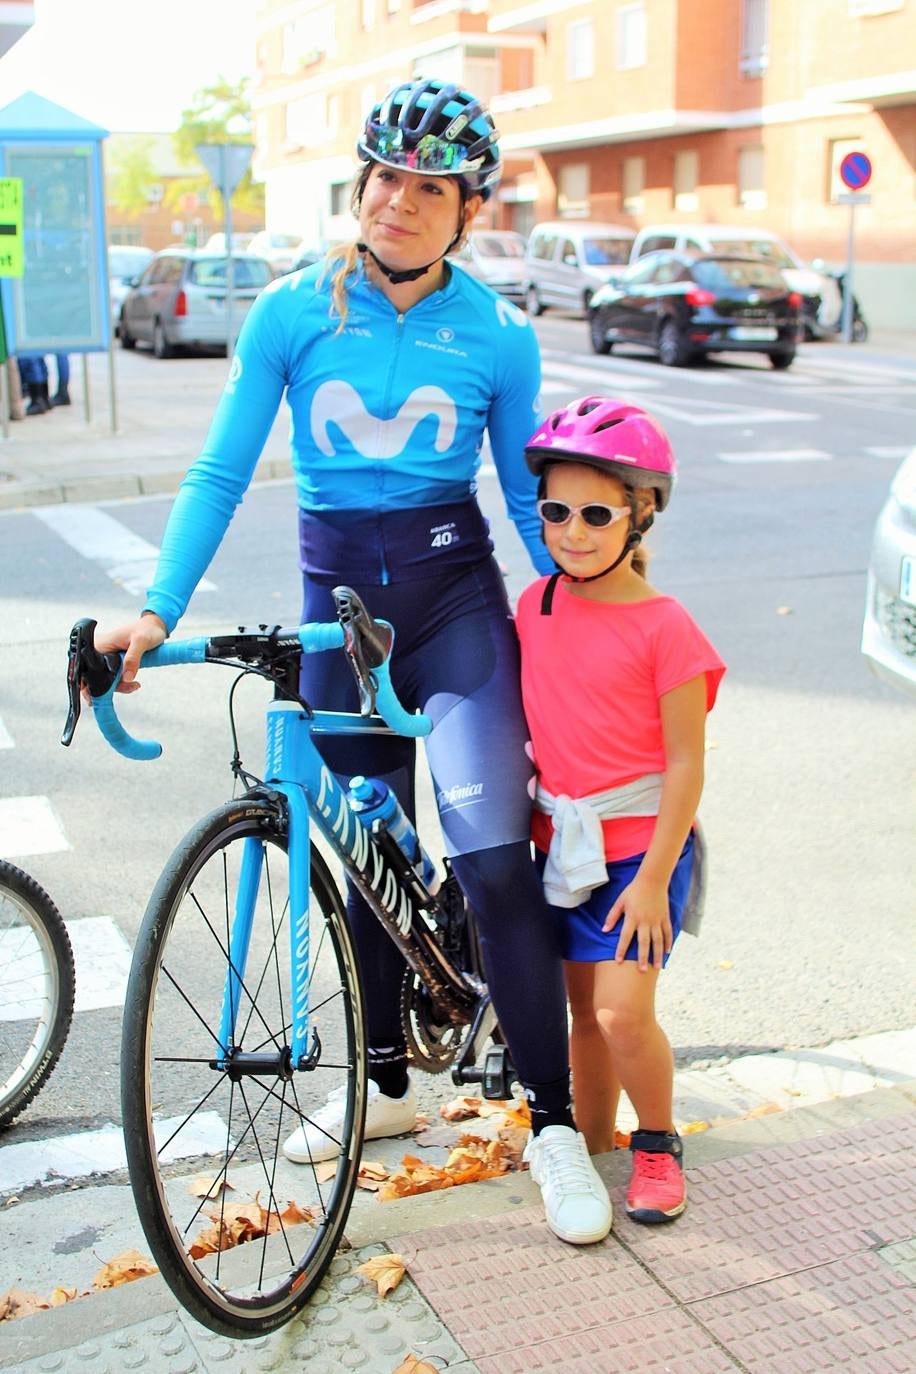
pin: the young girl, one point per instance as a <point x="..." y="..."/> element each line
<point x="617" y="680"/>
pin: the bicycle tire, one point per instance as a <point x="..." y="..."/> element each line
<point x="237" y="1289"/>
<point x="37" y="984"/>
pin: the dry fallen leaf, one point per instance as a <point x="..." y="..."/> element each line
<point x="61" y="1295"/>
<point x="725" y="964"/>
<point x="235" y="1223"/>
<point x="621" y="1140"/>
<point x="325" y="1171"/>
<point x="371" y="1175"/>
<point x="385" y="1271"/>
<point x="124" y="1268"/>
<point x="694" y="1127"/>
<point x="413" y="1365"/>
<point x="16" y="1303"/>
<point x="207" y="1185"/>
<point x="461" y="1108"/>
<point x="783" y="610"/>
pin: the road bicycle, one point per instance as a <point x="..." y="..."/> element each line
<point x="244" y="1007"/>
<point x="36" y="989"/>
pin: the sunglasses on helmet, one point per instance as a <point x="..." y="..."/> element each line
<point x="595" y="514"/>
<point x="431" y="154"/>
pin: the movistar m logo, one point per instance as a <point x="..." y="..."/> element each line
<point x="340" y="404"/>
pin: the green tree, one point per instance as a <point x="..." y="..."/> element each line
<point x="131" y="173"/>
<point x="220" y="113"/>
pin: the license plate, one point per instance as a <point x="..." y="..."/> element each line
<point x="908" y="580"/>
<point x="752" y="334"/>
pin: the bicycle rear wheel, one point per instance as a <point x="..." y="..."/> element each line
<point x="36" y="989"/>
<point x="246" y="1258"/>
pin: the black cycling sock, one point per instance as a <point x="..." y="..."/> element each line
<point x="388" y="1069"/>
<point x="549" y="1104"/>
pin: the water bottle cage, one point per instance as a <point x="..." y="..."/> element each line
<point x="406" y="873"/>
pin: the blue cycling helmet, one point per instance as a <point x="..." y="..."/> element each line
<point x="434" y="127"/>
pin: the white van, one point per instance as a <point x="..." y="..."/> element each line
<point x="567" y="260"/>
<point x="821" y="300"/>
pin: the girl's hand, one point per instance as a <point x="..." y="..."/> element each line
<point x="643" y="908"/>
<point x="134" y="640"/>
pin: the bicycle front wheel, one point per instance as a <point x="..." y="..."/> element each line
<point x="36" y="989"/>
<point x="241" y="1235"/>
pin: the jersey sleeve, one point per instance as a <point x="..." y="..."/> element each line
<point x="217" y="480"/>
<point x="513" y="416"/>
<point x="682" y="652"/>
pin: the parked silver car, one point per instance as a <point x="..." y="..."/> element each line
<point x="567" y="260"/>
<point x="180" y="300"/>
<point x="889" y="629"/>
<point x="497" y="257"/>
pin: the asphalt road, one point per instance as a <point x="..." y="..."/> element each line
<point x="808" y="802"/>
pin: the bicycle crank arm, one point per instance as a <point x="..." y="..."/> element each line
<point x="496" y="1074"/>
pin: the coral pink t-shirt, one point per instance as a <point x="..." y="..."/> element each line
<point x="592" y="676"/>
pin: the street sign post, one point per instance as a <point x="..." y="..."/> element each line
<point x="855" y="172"/>
<point x="226" y="164"/>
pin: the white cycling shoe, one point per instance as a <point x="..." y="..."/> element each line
<point x="576" y="1203"/>
<point x="318" y="1138"/>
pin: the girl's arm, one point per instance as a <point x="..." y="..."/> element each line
<point x="643" y="905"/>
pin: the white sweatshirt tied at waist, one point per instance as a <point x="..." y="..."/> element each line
<point x="575" y="860"/>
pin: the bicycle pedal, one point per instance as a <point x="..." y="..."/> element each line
<point x="498" y="1073"/>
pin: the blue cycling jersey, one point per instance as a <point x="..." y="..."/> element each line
<point x="386" y="415"/>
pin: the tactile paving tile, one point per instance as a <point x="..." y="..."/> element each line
<point x="902" y="1257"/>
<point x="782" y="1208"/>
<point x="347" y="1326"/>
<point x="855" y="1314"/>
<point x="505" y="1282"/>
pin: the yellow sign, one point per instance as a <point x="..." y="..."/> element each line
<point x="10" y="226"/>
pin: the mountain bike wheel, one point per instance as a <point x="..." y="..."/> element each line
<point x="245" y="1258"/>
<point x="36" y="989"/>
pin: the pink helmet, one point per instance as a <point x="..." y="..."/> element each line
<point x="610" y="435"/>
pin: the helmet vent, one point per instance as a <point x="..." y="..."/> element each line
<point x="607" y="424"/>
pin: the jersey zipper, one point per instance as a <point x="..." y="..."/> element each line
<point x="392" y="368"/>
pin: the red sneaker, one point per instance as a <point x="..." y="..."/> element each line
<point x="657" y="1190"/>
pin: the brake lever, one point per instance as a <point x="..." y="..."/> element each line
<point x="367" y="644"/>
<point x="86" y="664"/>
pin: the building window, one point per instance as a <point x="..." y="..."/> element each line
<point x="339" y="197"/>
<point x="580" y="50"/>
<point x="632" y="36"/>
<point x="311" y="120"/>
<point x="573" y="189"/>
<point x="751" y="185"/>
<point x="394" y="6"/>
<point x="634" y="181"/>
<point x="686" y="176"/>
<point x="755" y="20"/>
<point x="839" y="147"/>
<point x="307" y="40"/>
<point x="368" y="14"/>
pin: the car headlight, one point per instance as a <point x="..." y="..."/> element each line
<point x="903" y="487"/>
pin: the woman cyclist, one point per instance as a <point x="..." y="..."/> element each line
<point x="394" y="365"/>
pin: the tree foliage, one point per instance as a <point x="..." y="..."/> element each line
<point x="220" y="113"/>
<point x="131" y="174"/>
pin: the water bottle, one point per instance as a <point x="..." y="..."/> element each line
<point x="373" y="799"/>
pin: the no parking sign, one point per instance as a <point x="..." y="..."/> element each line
<point x="855" y="171"/>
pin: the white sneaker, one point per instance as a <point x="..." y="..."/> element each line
<point x="576" y="1203"/>
<point x="319" y="1137"/>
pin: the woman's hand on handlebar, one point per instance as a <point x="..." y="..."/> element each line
<point x="133" y="640"/>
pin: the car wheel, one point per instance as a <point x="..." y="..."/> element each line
<point x="127" y="340"/>
<point x="859" y="330"/>
<point x="533" y="303"/>
<point x="161" y="346"/>
<point x="596" y="330"/>
<point x="672" y="346"/>
<point x="783" y="359"/>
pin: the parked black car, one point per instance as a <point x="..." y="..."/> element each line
<point x="685" y="305"/>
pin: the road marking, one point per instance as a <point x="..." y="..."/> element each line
<point x="6" y="739"/>
<point x="778" y="455"/>
<point x="713" y="413"/>
<point x="597" y="373"/>
<point x="128" y="560"/>
<point x="28" y="825"/>
<point x="101" y="1152"/>
<point x="901" y="452"/>
<point x="102" y="957"/>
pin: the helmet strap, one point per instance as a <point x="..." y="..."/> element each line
<point x="412" y="273"/>
<point x="632" y="541"/>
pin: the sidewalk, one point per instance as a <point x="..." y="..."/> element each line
<point x="797" y="1254"/>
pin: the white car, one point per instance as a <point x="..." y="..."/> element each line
<point x="125" y="262"/>
<point x="281" y="250"/>
<point x="889" y="629"/>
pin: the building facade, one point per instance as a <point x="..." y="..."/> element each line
<point x="633" y="111"/>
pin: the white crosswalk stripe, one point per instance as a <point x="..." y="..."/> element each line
<point x="778" y="455"/>
<point x="28" y="825"/>
<point x="6" y="739"/>
<point x="127" y="559"/>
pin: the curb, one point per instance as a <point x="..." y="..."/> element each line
<point x="91" y="1318"/>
